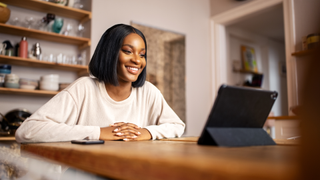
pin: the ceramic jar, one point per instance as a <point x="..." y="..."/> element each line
<point x="4" y="13"/>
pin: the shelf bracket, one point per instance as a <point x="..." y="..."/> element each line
<point x="85" y="45"/>
<point x="85" y="18"/>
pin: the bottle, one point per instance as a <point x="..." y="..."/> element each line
<point x="23" y="48"/>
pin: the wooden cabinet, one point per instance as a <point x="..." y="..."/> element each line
<point x="42" y="6"/>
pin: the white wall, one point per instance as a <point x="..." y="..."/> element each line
<point x="219" y="6"/>
<point x="277" y="79"/>
<point x="188" y="17"/>
<point x="269" y="55"/>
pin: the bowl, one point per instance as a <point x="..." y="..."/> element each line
<point x="5" y="66"/>
<point x="2" y="79"/>
<point x="50" y="77"/>
<point x="5" y="71"/>
<point x="24" y="81"/>
<point x="30" y="87"/>
<point x="12" y="78"/>
<point x="49" y="86"/>
<point x="4" y="13"/>
<point x="12" y="85"/>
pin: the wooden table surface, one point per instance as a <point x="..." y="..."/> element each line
<point x="173" y="159"/>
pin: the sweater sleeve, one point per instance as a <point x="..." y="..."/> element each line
<point x="166" y="123"/>
<point x="55" y="121"/>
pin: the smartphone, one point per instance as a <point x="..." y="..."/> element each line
<point x="87" y="141"/>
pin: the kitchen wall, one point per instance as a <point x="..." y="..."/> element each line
<point x="187" y="17"/>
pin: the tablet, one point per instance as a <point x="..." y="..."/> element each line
<point x="238" y="107"/>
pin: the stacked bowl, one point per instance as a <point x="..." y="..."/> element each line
<point x="49" y="82"/>
<point x="4" y="70"/>
<point x="28" y="84"/>
<point x="12" y="81"/>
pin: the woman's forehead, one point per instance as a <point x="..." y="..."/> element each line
<point x="134" y="39"/>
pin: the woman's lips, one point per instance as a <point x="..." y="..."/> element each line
<point x="133" y="70"/>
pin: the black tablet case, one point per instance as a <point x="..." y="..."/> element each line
<point x="237" y="118"/>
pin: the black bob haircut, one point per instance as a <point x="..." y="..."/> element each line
<point x="103" y="64"/>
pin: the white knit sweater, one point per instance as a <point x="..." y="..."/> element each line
<point x="81" y="109"/>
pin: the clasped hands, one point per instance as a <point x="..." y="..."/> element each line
<point x="124" y="131"/>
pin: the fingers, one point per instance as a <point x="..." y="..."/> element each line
<point x="117" y="124"/>
<point x="125" y="131"/>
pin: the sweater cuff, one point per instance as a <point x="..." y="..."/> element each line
<point x="95" y="133"/>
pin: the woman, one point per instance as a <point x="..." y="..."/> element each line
<point x="117" y="104"/>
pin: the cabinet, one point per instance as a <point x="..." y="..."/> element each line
<point x="42" y="6"/>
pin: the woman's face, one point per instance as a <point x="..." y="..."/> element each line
<point x="131" y="58"/>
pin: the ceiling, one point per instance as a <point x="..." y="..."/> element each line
<point x="268" y="23"/>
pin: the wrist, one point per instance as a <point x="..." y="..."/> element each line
<point x="145" y="134"/>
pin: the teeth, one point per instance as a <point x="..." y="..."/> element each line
<point x="133" y="68"/>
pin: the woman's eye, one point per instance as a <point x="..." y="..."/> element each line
<point x="126" y="51"/>
<point x="142" y="55"/>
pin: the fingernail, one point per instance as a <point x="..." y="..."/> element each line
<point x="125" y="139"/>
<point x="115" y="130"/>
<point x="139" y="132"/>
<point x="119" y="133"/>
<point x="134" y="136"/>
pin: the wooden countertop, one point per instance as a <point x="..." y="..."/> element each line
<point x="173" y="159"/>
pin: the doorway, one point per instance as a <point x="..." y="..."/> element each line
<point x="264" y="26"/>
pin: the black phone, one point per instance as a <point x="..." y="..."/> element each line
<point x="90" y="141"/>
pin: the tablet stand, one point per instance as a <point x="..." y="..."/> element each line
<point x="235" y="137"/>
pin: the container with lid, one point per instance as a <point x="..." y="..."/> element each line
<point x="313" y="40"/>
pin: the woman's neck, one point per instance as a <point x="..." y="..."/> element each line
<point x="119" y="93"/>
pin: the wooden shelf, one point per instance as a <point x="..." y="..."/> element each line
<point x="48" y="7"/>
<point x="48" y="36"/>
<point x="12" y="60"/>
<point x="247" y="72"/>
<point x="284" y="117"/>
<point x="302" y="53"/>
<point x="4" y="90"/>
<point x="7" y="138"/>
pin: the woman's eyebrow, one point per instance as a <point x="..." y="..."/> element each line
<point x="132" y="46"/>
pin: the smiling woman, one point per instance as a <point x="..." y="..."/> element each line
<point x="131" y="58"/>
<point x="116" y="103"/>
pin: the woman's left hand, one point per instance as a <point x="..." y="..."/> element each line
<point x="130" y="131"/>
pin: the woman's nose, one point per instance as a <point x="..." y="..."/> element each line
<point x="136" y="59"/>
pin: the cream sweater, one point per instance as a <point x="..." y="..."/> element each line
<point x="81" y="109"/>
